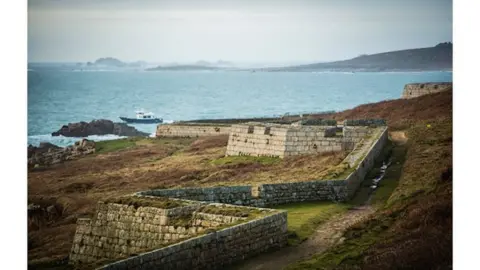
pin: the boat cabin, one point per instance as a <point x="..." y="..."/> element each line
<point x="143" y="115"/>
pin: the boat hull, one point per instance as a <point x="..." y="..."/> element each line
<point x="142" y="121"/>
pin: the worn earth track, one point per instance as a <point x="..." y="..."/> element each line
<point x="326" y="235"/>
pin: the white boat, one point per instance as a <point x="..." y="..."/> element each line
<point x="143" y="118"/>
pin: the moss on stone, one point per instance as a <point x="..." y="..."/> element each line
<point x="158" y="202"/>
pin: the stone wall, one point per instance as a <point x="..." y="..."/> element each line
<point x="321" y="190"/>
<point x="419" y="89"/>
<point x="312" y="139"/>
<point x="190" y="130"/>
<point x="365" y="164"/>
<point x="237" y="195"/>
<point x="260" y="195"/>
<point x="365" y="122"/>
<point x="215" y="250"/>
<point x="356" y="133"/>
<point x="257" y="140"/>
<point x="283" y="140"/>
<point x="118" y="230"/>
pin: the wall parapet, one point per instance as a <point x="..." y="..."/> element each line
<point x="191" y="131"/>
<point x="414" y="90"/>
<point x="214" y="250"/>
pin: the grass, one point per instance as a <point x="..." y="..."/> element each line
<point x="304" y="218"/>
<point x="114" y="145"/>
<point x="233" y="160"/>
<point x="108" y="146"/>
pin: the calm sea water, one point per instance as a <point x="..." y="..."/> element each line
<point x="57" y="97"/>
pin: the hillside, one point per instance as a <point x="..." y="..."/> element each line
<point x="412" y="228"/>
<point x="400" y="113"/>
<point x="432" y="58"/>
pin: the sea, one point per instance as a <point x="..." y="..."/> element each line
<point x="58" y="96"/>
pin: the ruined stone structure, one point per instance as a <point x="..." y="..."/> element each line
<point x="191" y="130"/>
<point x="413" y="90"/>
<point x="120" y="230"/>
<point x="260" y="139"/>
<point x="215" y="250"/>
<point x="188" y="237"/>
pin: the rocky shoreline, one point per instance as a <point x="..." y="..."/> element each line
<point x="47" y="154"/>
<point x="98" y="127"/>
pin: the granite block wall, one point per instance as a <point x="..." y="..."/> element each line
<point x="214" y="250"/>
<point x="261" y="195"/>
<point x="237" y="195"/>
<point x="356" y="133"/>
<point x="257" y="140"/>
<point x="413" y="90"/>
<point x="283" y="140"/>
<point x="118" y="230"/>
<point x="366" y="163"/>
<point x="191" y="130"/>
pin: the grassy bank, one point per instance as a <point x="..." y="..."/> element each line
<point x="304" y="217"/>
<point x="412" y="228"/>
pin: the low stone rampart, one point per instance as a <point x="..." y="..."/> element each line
<point x="191" y="130"/>
<point x="260" y="195"/>
<point x="366" y="163"/>
<point x="215" y="250"/>
<point x="118" y="230"/>
<point x="237" y="195"/>
<point x="414" y="90"/>
<point x="259" y="139"/>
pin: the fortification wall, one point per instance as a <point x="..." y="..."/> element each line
<point x="413" y="90"/>
<point x="256" y="140"/>
<point x="260" y="195"/>
<point x="365" y="164"/>
<point x="311" y="140"/>
<point x="118" y="230"/>
<point x="283" y="140"/>
<point x="191" y="130"/>
<point x="356" y="133"/>
<point x="237" y="195"/>
<point x="214" y="250"/>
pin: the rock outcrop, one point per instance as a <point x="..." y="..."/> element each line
<point x="98" y="127"/>
<point x="47" y="153"/>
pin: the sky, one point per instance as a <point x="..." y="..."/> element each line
<point x="242" y="31"/>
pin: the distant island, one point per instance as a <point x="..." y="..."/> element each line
<point x="199" y="65"/>
<point x="423" y="59"/>
<point x="183" y="67"/>
<point x="114" y="62"/>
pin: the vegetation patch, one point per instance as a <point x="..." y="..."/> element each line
<point x="231" y="211"/>
<point x="158" y="202"/>
<point x="233" y="160"/>
<point x="128" y="143"/>
<point x="304" y="217"/>
<point x="114" y="145"/>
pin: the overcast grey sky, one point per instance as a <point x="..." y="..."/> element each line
<point x="272" y="31"/>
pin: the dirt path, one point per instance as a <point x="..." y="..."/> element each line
<point x="326" y="235"/>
